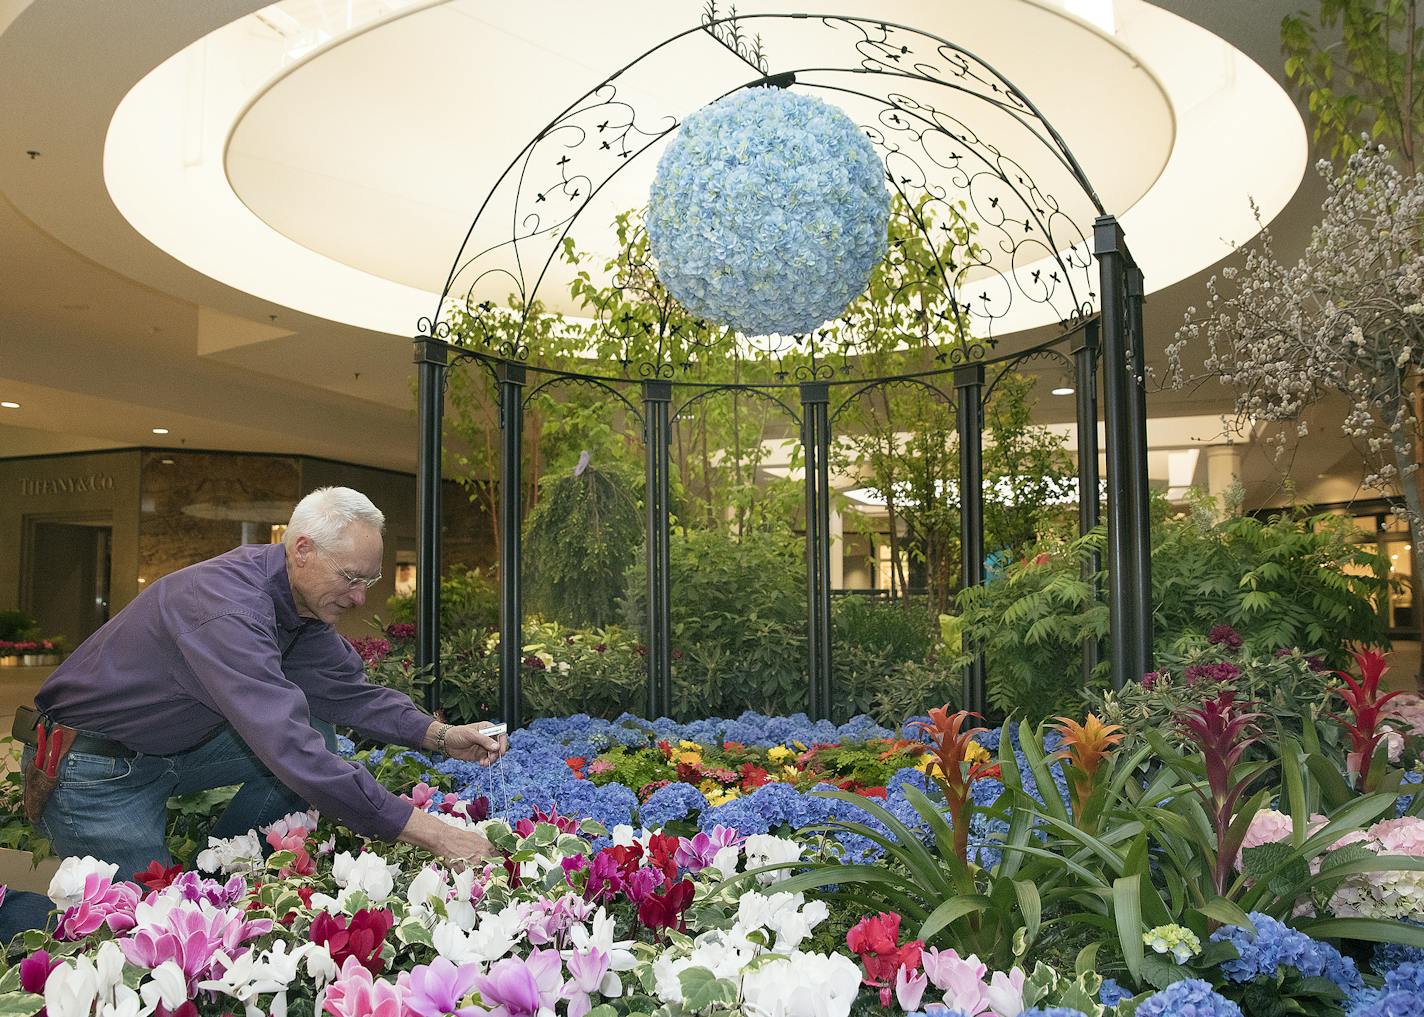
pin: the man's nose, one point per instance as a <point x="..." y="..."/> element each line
<point x="358" y="595"/>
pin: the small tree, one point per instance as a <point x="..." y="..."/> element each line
<point x="1347" y="319"/>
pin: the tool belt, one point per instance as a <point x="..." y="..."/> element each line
<point x="51" y="742"/>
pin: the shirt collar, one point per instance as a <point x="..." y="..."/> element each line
<point x="281" y="588"/>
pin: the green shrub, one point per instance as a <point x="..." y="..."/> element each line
<point x="1289" y="581"/>
<point x="738" y="620"/>
<point x="896" y="630"/>
<point x="469" y="599"/>
<point x="580" y="539"/>
<point x="17" y="626"/>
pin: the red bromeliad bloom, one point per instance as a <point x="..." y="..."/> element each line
<point x="156" y="877"/>
<point x="949" y="743"/>
<point x="361" y="937"/>
<point x="1222" y="735"/>
<point x="1367" y="709"/>
<point x="877" y="942"/>
<point x="576" y="764"/>
<point x="667" y="910"/>
<point x="666" y="747"/>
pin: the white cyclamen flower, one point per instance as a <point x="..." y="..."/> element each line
<point x="367" y="872"/>
<point x="72" y="989"/>
<point x="232" y="854"/>
<point x="802" y="985"/>
<point x="764" y="849"/>
<point x="66" y="889"/>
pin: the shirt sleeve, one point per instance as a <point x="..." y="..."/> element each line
<point x="236" y="663"/>
<point x="329" y="670"/>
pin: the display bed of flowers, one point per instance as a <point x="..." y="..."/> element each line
<point x="774" y="866"/>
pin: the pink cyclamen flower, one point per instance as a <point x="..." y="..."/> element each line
<point x="190" y="937"/>
<point x="1005" y="995"/>
<point x="586" y="971"/>
<point x="641" y="884"/>
<point x="696" y="853"/>
<point x="961" y="979"/>
<point x="356" y="994"/>
<point x="103" y="903"/>
<point x="436" y="989"/>
<point x="518" y="987"/>
<point x="910" y="988"/>
<point x="421" y="795"/>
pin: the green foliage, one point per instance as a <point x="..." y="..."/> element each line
<point x="1290" y="689"/>
<point x="17" y="627"/>
<point x="738" y="621"/>
<point x="1288" y="581"/>
<point x="580" y="540"/>
<point x="469" y="599"/>
<point x="1357" y="62"/>
<point x="897" y="630"/>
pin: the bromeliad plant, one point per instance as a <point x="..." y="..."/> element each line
<point x="1085" y="747"/>
<point x="954" y="766"/>
<point x="1367" y="711"/>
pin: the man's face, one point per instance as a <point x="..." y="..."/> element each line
<point x="329" y="581"/>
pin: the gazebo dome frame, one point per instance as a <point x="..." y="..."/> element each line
<point x="567" y="164"/>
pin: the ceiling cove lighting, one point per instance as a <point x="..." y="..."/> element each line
<point x="160" y="430"/>
<point x="7" y="404"/>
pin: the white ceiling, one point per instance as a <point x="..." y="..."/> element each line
<point x="104" y="336"/>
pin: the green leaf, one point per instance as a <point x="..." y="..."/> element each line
<point x="1160" y="972"/>
<point x="1127" y="911"/>
<point x="20" y="1004"/>
<point x="702" y="989"/>
<point x="1030" y="906"/>
<point x="950" y="911"/>
<point x="1227" y="913"/>
<point x="1373" y="930"/>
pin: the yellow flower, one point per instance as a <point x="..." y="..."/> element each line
<point x="723" y="797"/>
<point x="778" y="752"/>
<point x="974" y="752"/>
<point x="689" y="745"/>
<point x="800" y="746"/>
<point x="791" y="772"/>
<point x="694" y="758"/>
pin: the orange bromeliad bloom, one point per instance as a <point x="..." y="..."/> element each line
<point x="1085" y="746"/>
<point x="954" y="767"/>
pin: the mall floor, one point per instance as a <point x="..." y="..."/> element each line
<point x="19" y="684"/>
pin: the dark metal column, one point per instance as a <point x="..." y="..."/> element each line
<point x="1124" y="540"/>
<point x="657" y="427"/>
<point x="969" y="391"/>
<point x="511" y="531"/>
<point x="1141" y="536"/>
<point x="1085" y="362"/>
<point x="816" y="441"/>
<point x="432" y="360"/>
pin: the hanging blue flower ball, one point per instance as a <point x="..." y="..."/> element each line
<point x="768" y="212"/>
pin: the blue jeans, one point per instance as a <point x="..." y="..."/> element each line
<point x="116" y="809"/>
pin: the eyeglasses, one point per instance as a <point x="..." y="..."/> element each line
<point x="350" y="580"/>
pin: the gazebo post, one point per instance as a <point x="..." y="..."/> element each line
<point x="1129" y="547"/>
<point x="432" y="361"/>
<point x="511" y="593"/>
<point x="657" y="427"/>
<point x="969" y="409"/>
<point x="816" y="441"/>
<point x="1085" y="362"/>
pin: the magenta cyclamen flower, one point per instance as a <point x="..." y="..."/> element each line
<point x="436" y="989"/>
<point x="695" y="854"/>
<point x="103" y="903"/>
<point x="35" y="969"/>
<point x="604" y="878"/>
<point x="518" y="987"/>
<point x="640" y="885"/>
<point x="190" y="936"/>
<point x="192" y="886"/>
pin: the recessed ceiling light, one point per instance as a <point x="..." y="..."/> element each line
<point x="1062" y="390"/>
<point x="166" y="462"/>
<point x="9" y="405"/>
<point x="160" y="430"/>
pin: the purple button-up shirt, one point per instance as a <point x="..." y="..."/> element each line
<point x="218" y="643"/>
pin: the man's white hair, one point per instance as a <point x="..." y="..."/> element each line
<point x="324" y="515"/>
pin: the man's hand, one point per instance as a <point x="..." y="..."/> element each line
<point x="466" y="742"/>
<point x="446" y="840"/>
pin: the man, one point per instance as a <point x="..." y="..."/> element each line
<point x="230" y="672"/>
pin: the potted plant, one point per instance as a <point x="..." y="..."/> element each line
<point x="9" y="656"/>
